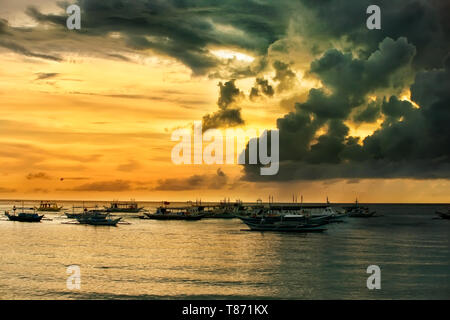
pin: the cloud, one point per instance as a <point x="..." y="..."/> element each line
<point x="284" y="75"/>
<point x="7" y="190"/>
<point x="369" y="113"/>
<point x="131" y="165"/>
<point x="424" y="23"/>
<point x="183" y="30"/>
<point x="38" y="175"/>
<point x="73" y="178"/>
<point x="103" y="186"/>
<point x="44" y="76"/>
<point x="411" y="142"/>
<point x="229" y="115"/>
<point x="3" y="26"/>
<point x="24" y="51"/>
<point x="215" y="181"/>
<point x="261" y="87"/>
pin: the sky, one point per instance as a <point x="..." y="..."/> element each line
<point x="89" y="113"/>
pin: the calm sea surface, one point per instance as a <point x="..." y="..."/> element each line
<point x="215" y="259"/>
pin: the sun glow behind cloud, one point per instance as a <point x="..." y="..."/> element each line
<point x="231" y="54"/>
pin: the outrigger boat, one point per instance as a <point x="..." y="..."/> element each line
<point x="98" y="219"/>
<point x="125" y="206"/>
<point x="444" y="214"/>
<point x="359" y="212"/>
<point x="85" y="212"/>
<point x="24" y="216"/>
<point x="49" y="206"/>
<point x="224" y="210"/>
<point x="166" y="213"/>
<point x="300" y="214"/>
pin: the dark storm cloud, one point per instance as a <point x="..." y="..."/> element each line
<point x="351" y="79"/>
<point x="284" y="75"/>
<point x="181" y="29"/>
<point x="228" y="115"/>
<point x="424" y="23"/>
<point x="261" y="87"/>
<point x="186" y="30"/>
<point x="369" y="113"/>
<point x="411" y="142"/>
<point x="218" y="180"/>
<point x="348" y="80"/>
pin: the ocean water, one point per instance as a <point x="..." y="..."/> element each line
<point x="215" y="259"/>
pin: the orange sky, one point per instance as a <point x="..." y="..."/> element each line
<point x="104" y="126"/>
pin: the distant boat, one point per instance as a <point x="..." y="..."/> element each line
<point x="124" y="206"/>
<point x="276" y="213"/>
<point x="49" y="206"/>
<point x="24" y="216"/>
<point x="444" y="214"/>
<point x="359" y="212"/>
<point x="86" y="212"/>
<point x="97" y="219"/>
<point x="224" y="210"/>
<point x="165" y="213"/>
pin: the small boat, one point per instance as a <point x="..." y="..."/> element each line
<point x="125" y="206"/>
<point x="49" y="206"/>
<point x="24" y="216"/>
<point x="359" y="212"/>
<point x="98" y="219"/>
<point x="165" y="213"/>
<point x="217" y="212"/>
<point x="86" y="213"/>
<point x="297" y="214"/>
<point x="444" y="214"/>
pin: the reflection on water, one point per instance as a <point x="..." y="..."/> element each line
<point x="215" y="259"/>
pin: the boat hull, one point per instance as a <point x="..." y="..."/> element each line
<point x="361" y="214"/>
<point x="100" y="222"/>
<point x="49" y="209"/>
<point x="36" y="218"/>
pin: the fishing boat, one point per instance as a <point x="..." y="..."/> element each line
<point x="86" y="212"/>
<point x="359" y="212"/>
<point x="24" y="216"/>
<point x="303" y="214"/>
<point x="49" y="206"/>
<point x="167" y="213"/>
<point x="444" y="214"/>
<point x="98" y="219"/>
<point x="124" y="206"/>
<point x="224" y="210"/>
